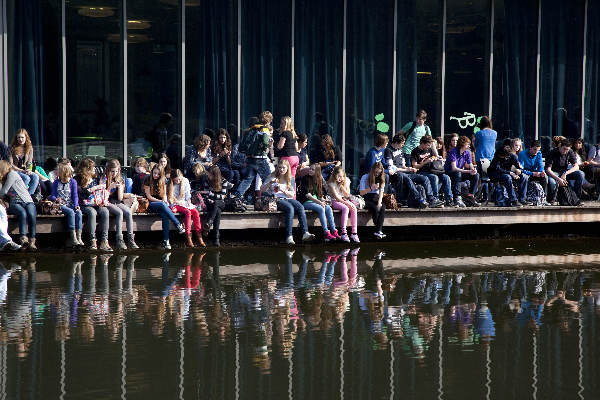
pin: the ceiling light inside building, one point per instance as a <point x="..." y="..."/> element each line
<point x="188" y="3"/>
<point x="96" y="12"/>
<point x="134" y="24"/>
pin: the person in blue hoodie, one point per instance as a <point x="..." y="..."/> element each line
<point x="533" y="166"/>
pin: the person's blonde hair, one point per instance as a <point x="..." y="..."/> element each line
<point x="141" y="162"/>
<point x="65" y="172"/>
<point x="5" y="168"/>
<point x="380" y="180"/>
<point x="287" y="125"/>
<point x="333" y="178"/>
<point x="288" y="173"/>
<point x="110" y="165"/>
<point x="199" y="170"/>
<point x="176" y="173"/>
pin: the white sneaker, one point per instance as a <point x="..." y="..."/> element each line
<point x="290" y="240"/>
<point x="166" y="245"/>
<point x="181" y="229"/>
<point x="379" y="234"/>
<point x="307" y="237"/>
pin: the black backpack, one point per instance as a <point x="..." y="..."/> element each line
<point x="566" y="196"/>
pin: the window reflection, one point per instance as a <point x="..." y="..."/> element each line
<point x="94" y="106"/>
<point x="153" y="83"/>
<point x="467" y="32"/>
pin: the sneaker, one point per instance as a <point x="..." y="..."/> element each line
<point x="459" y="203"/>
<point x="423" y="204"/>
<point x="329" y="237"/>
<point x="526" y="203"/>
<point x="355" y="238"/>
<point x="379" y="235"/>
<point x="436" y="204"/>
<point x="449" y="203"/>
<point x="336" y="234"/>
<point x="166" y="245"/>
<point x="345" y="238"/>
<point x="181" y="229"/>
<point x="546" y="204"/>
<point x="290" y="240"/>
<point x="516" y="204"/>
<point x="10" y="246"/>
<point x="307" y="237"/>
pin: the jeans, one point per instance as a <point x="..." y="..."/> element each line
<point x="73" y="217"/>
<point x="4" y="236"/>
<point x="575" y="179"/>
<point x="458" y="177"/>
<point x="91" y="214"/>
<point x="289" y="207"/>
<point x="506" y="181"/>
<point x="30" y="180"/>
<point x="254" y="166"/>
<point x="344" y="219"/>
<point x="404" y="186"/>
<point x="434" y="180"/>
<point x="325" y="215"/>
<point x="158" y="207"/>
<point x="120" y="211"/>
<point x="377" y="214"/>
<point x="229" y="174"/>
<point x="26" y="214"/>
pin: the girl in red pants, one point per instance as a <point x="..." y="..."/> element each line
<point x="181" y="196"/>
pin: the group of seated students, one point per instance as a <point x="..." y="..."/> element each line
<point x="421" y="171"/>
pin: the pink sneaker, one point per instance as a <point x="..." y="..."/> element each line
<point x="329" y="237"/>
<point x="336" y="234"/>
<point x="355" y="238"/>
<point x="345" y="238"/>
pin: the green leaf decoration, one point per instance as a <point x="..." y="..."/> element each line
<point x="476" y="129"/>
<point x="383" y="127"/>
<point x="379" y="117"/>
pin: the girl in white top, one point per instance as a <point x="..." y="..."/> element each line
<point x="338" y="187"/>
<point x="181" y="196"/>
<point x="279" y="184"/>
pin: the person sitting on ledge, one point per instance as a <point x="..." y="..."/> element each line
<point x="422" y="158"/>
<point x="371" y="188"/>
<point x="559" y="173"/>
<point x="500" y="171"/>
<point x="460" y="167"/>
<point x="533" y="165"/>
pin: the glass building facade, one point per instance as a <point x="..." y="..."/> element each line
<point x="107" y="80"/>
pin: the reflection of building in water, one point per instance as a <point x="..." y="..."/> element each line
<point x="313" y="324"/>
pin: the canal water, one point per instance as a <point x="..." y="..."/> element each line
<point x="424" y="320"/>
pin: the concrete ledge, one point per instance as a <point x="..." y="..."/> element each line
<point x="403" y="217"/>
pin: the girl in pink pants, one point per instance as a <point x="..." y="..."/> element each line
<point x="339" y="190"/>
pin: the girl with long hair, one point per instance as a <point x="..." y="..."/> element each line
<point x="222" y="152"/>
<point x="21" y="158"/>
<point x="87" y="184"/>
<point x="115" y="184"/>
<point x="165" y="164"/>
<point x="312" y="196"/>
<point x="371" y="188"/>
<point x="329" y="158"/>
<point x="21" y="204"/>
<point x="338" y="187"/>
<point x="64" y="192"/>
<point x="287" y="145"/>
<point x="155" y="187"/>
<point x="279" y="184"/>
<point x="181" y="196"/>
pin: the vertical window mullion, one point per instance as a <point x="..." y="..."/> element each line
<point x="124" y="88"/>
<point x="292" y="80"/>
<point x="583" y="68"/>
<point x="443" y="74"/>
<point x="3" y="50"/>
<point x="63" y="78"/>
<point x="491" y="60"/>
<point x="537" y="78"/>
<point x="344" y="72"/>
<point x="395" y="72"/>
<point x="239" y="68"/>
<point x="182" y="79"/>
